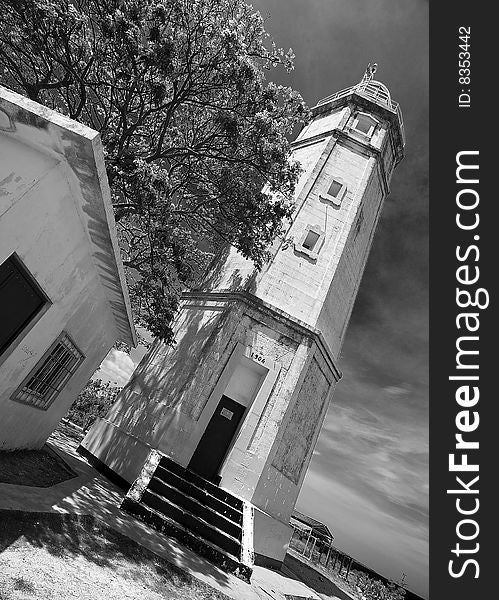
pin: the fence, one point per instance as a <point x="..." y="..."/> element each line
<point x="320" y="551"/>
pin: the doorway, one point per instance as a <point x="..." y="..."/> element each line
<point x="217" y="437"/>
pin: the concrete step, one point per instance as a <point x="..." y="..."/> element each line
<point x="193" y="523"/>
<point x="201" y="483"/>
<point x="225" y="560"/>
<point x="187" y="502"/>
<point x="201" y="495"/>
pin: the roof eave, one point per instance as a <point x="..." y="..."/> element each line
<point x="81" y="149"/>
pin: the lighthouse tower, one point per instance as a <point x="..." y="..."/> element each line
<point x="216" y="433"/>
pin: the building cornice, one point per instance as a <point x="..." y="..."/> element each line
<point x="348" y="140"/>
<point x="300" y="327"/>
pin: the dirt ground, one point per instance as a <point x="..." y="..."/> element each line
<point x="326" y="584"/>
<point x="69" y="557"/>
<point x="40" y="468"/>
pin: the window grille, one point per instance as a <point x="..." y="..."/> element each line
<point x="50" y="375"/>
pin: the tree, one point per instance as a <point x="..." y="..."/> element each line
<point x="194" y="137"/>
<point x="375" y="589"/>
<point x="94" y="401"/>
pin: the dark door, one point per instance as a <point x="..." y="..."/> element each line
<point x="20" y="300"/>
<point x="218" y="435"/>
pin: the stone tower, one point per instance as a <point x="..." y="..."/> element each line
<point x="241" y="398"/>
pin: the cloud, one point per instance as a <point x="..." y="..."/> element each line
<point x="117" y="367"/>
<point x="369" y="477"/>
<point x="381" y="539"/>
<point x="381" y="459"/>
<point x="393" y="390"/>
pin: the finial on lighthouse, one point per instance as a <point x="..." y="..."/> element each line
<point x="369" y="73"/>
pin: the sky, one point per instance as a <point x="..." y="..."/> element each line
<point x="368" y="479"/>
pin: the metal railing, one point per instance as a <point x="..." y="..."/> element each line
<point x="320" y="552"/>
<point x="372" y="90"/>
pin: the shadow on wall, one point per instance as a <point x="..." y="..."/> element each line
<point x="237" y="280"/>
<point x="183" y="374"/>
<point x="163" y="381"/>
<point x="98" y="228"/>
<point x="167" y="373"/>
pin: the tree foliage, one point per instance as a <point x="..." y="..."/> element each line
<point x="195" y="139"/>
<point x="375" y="589"/>
<point x="94" y="401"/>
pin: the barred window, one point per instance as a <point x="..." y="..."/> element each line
<point x="50" y="374"/>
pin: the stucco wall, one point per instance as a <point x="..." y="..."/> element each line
<point x="323" y="123"/>
<point x="41" y="222"/>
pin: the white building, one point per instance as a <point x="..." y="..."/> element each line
<point x="63" y="296"/>
<point x="234" y="409"/>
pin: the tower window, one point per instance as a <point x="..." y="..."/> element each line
<point x="335" y="188"/>
<point x="311" y="241"/>
<point x="21" y="300"/>
<point x="50" y="374"/>
<point x="335" y="193"/>
<point x="364" y="124"/>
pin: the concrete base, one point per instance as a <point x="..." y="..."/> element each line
<point x="271" y="539"/>
<point x="267" y="562"/>
<point x="123" y="454"/>
<point x="98" y="465"/>
<point x="121" y="457"/>
<point x="275" y="585"/>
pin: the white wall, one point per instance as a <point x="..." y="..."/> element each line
<point x="40" y="221"/>
<point x="245" y="381"/>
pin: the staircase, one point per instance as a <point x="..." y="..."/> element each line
<point x="199" y="514"/>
